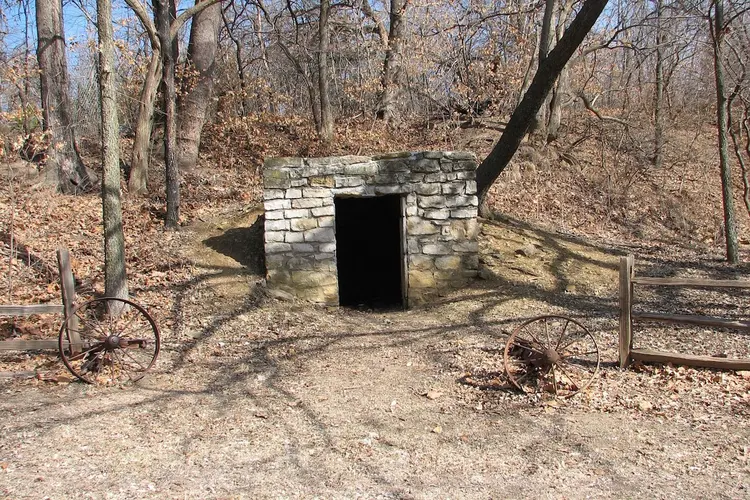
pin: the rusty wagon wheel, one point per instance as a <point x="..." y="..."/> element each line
<point x="553" y="354"/>
<point x="113" y="348"/>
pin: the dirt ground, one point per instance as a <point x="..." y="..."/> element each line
<point x="255" y="397"/>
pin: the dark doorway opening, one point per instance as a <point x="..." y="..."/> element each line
<point x="369" y="252"/>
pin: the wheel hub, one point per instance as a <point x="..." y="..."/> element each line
<point x="551" y="356"/>
<point x="112" y="342"/>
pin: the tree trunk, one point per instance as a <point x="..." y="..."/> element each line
<point x="115" y="280"/>
<point x="138" y="181"/>
<point x="730" y="227"/>
<point x="202" y="48"/>
<point x="163" y="23"/>
<point x="540" y="86"/>
<point x="325" y="131"/>
<point x="658" y="158"/>
<point x="63" y="160"/>
<point x="392" y="64"/>
<point x="539" y="124"/>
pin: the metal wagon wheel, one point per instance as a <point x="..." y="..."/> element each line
<point x="113" y="348"/>
<point x="553" y="354"/>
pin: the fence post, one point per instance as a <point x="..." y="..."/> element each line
<point x="67" y="285"/>
<point x="626" y="307"/>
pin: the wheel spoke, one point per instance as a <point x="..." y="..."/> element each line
<point x="562" y="334"/>
<point x="527" y="347"/>
<point x="554" y="378"/>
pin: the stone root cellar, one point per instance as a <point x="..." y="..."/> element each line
<point x="384" y="231"/>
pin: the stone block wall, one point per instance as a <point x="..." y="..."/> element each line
<point x="440" y="218"/>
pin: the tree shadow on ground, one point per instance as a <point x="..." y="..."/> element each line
<point x="243" y="244"/>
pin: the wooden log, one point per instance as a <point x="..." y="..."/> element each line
<point x="691" y="319"/>
<point x="27" y="345"/>
<point x="19" y="310"/>
<point x="67" y="285"/>
<point x="690" y="282"/>
<point x="649" y="356"/>
<point x="626" y="308"/>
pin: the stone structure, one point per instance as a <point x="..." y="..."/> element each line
<point x="439" y="219"/>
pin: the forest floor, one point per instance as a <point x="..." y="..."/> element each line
<point x="258" y="397"/>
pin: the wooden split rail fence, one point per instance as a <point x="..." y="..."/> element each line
<point x="67" y="286"/>
<point x="627" y="315"/>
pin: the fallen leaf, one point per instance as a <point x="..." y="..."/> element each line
<point x="437" y="430"/>
<point x="433" y="394"/>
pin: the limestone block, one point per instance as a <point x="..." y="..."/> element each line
<point x="297" y="213"/>
<point x="308" y="279"/>
<point x="302" y="248"/>
<point x="437" y="214"/>
<point x="293" y="193"/>
<point x="276" y="204"/>
<point x="342" y="181"/>
<point x="275" y="215"/>
<point x="300" y="262"/>
<point x="299" y="182"/>
<point x="459" y="155"/>
<point x="421" y="279"/>
<point x="353" y="191"/>
<point x="393" y="156"/>
<point x="468" y="176"/>
<point x="291" y="237"/>
<point x="393" y="166"/>
<point x="461" y="201"/>
<point x="307" y="203"/>
<point x="387" y="178"/>
<point x="453" y="188"/>
<point x="276" y="247"/>
<point x="328" y="247"/>
<point x="434" y="155"/>
<point x="436" y="249"/>
<point x="325" y="221"/>
<point x="323" y="181"/>
<point x="320" y="234"/>
<point x="273" y="194"/>
<point x="421" y="262"/>
<point x="276" y="179"/>
<point x="275" y="260"/>
<point x="419" y="226"/>
<point x="440" y="177"/>
<point x="464" y="165"/>
<point x="427" y="189"/>
<point x="463" y="213"/>
<point x="411" y="210"/>
<point x="412" y="245"/>
<point x="368" y="168"/>
<point x="431" y="201"/>
<point x="271" y="236"/>
<point x="448" y="262"/>
<point x="398" y="189"/>
<point x="337" y="160"/>
<point x="316" y="192"/>
<point x="323" y="211"/>
<point x="282" y="161"/>
<point x="324" y="256"/>
<point x="277" y="225"/>
<point x="472" y="228"/>
<point x="426" y="165"/>
<point x="303" y="224"/>
<point x="471" y="187"/>
<point x="279" y="275"/>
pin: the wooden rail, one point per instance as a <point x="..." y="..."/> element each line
<point x="67" y="287"/>
<point x="627" y="353"/>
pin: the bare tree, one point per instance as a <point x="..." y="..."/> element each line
<point x="525" y="112"/>
<point x="392" y="64"/>
<point x="325" y="129"/>
<point x="63" y="160"/>
<point x="115" y="278"/>
<point x="717" y="29"/>
<point x="195" y="99"/>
